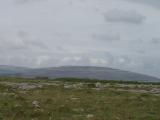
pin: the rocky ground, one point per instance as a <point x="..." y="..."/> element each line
<point x="22" y="99"/>
<point x="140" y="88"/>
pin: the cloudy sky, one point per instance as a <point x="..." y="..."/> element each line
<point x="112" y="33"/>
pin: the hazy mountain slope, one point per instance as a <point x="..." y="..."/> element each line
<point x="6" y="70"/>
<point x="101" y="73"/>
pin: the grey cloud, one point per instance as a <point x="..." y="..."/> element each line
<point x="61" y="49"/>
<point x="155" y="41"/>
<point x="123" y="16"/>
<point x="149" y="66"/>
<point x="7" y="44"/>
<point x="26" y="1"/>
<point x="106" y="37"/>
<point x="153" y="3"/>
<point x="21" y="41"/>
<point x="29" y="41"/>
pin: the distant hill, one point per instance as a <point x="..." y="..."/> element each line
<point x="6" y="70"/>
<point x="101" y="73"/>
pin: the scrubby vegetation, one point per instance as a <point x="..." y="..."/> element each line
<point x="76" y="99"/>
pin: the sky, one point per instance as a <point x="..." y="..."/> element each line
<point x="121" y="34"/>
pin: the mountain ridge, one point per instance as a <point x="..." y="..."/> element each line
<point x="91" y="72"/>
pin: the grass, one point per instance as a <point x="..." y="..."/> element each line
<point x="85" y="103"/>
